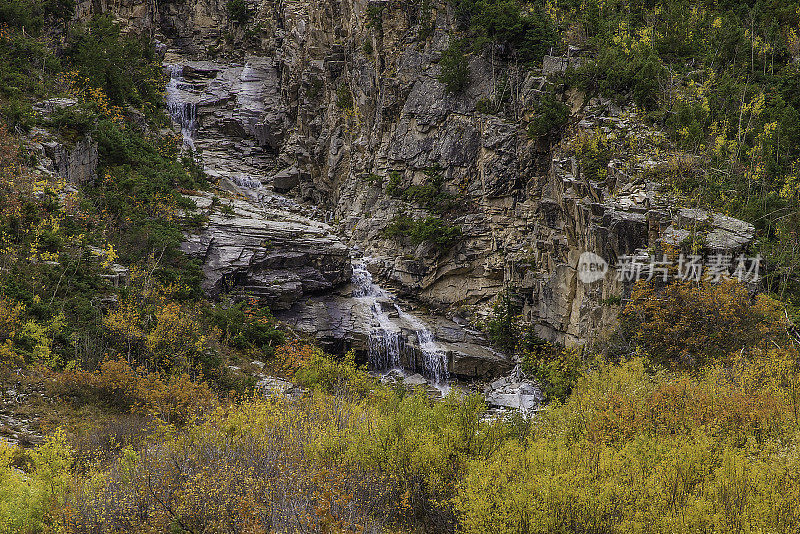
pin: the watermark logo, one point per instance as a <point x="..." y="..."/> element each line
<point x="591" y="268"/>
<point x="688" y="268"/>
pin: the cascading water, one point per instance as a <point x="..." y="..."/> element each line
<point x="434" y="358"/>
<point x="182" y="110"/>
<point x="386" y="340"/>
<point x="246" y="182"/>
<point x="181" y="100"/>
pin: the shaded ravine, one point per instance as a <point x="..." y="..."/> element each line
<point x="294" y="262"/>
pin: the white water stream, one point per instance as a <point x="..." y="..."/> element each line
<point x="182" y="109"/>
<point x="387" y="342"/>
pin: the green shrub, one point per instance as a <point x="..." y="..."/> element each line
<point x="375" y="16"/>
<point x="20" y="14"/>
<point x="331" y="375"/>
<point x="556" y="369"/>
<point x="454" y="67"/>
<point x="503" y="324"/>
<point x="427" y="20"/>
<point x="32" y="15"/>
<point x="18" y="114"/>
<point x="237" y="11"/>
<point x="73" y="121"/>
<point x="431" y="194"/>
<point x="431" y="229"/>
<point x="373" y="179"/>
<point x="594" y="154"/>
<point x="35" y="502"/>
<point x="245" y="325"/>
<point x="617" y="73"/>
<point x="124" y="67"/>
<point x="393" y="186"/>
<point x="522" y="27"/>
<point x="551" y="116"/>
<point x="27" y="69"/>
<point x="367" y="47"/>
<point x="344" y="98"/>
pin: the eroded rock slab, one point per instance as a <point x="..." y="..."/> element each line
<point x="273" y="255"/>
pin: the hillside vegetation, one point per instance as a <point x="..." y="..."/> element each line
<point x="686" y="418"/>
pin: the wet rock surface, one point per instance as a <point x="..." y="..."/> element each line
<point x="340" y="322"/>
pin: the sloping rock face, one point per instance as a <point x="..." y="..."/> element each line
<point x="273" y="255"/>
<point x="232" y="105"/>
<point x="333" y="101"/>
<point x="75" y="161"/>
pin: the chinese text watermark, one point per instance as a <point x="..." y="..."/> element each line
<point x="685" y="267"/>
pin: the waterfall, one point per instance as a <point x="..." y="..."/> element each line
<point x="182" y="110"/>
<point x="181" y="98"/>
<point x="386" y="340"/>
<point x="247" y="182"/>
<point x="434" y="358"/>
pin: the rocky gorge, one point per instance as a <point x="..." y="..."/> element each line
<point x="315" y="119"/>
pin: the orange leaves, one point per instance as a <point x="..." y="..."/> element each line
<point x="687" y="326"/>
<point x="685" y="404"/>
<point x="174" y="399"/>
<point x="293" y="354"/>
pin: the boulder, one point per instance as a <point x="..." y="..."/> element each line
<point x="286" y="180"/>
<point x="514" y="392"/>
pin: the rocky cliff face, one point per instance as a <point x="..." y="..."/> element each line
<point x="333" y="102"/>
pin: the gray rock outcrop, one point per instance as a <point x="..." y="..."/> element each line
<point x="273" y="255"/>
<point x="73" y="160"/>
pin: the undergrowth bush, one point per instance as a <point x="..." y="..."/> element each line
<point x="174" y="399"/>
<point x="633" y="451"/>
<point x="551" y="116"/>
<point x="237" y="11"/>
<point x="454" y="67"/>
<point x="523" y="28"/>
<point x="431" y="194"/>
<point x="246" y="325"/>
<point x="431" y="229"/>
<point x="594" y="153"/>
<point x="35" y="501"/>
<point x="347" y="462"/>
<point x="683" y="325"/>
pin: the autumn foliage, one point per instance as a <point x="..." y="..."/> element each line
<point x="175" y="398"/>
<point x="688" y="325"/>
